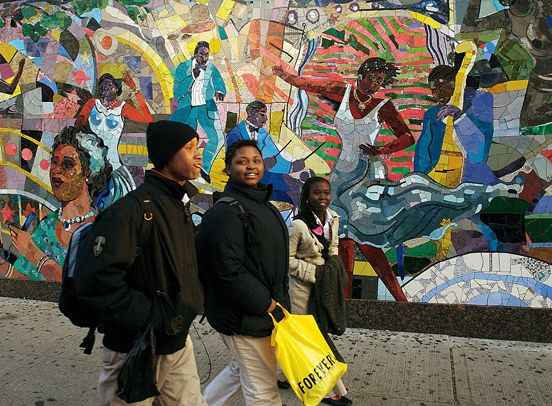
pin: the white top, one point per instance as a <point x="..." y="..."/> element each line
<point x="327" y="226"/>
<point x="198" y="99"/>
<point x="108" y="125"/>
<point x="354" y="132"/>
<point x="253" y="135"/>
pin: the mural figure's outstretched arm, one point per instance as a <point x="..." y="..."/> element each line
<point x="330" y="89"/>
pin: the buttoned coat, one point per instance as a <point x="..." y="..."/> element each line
<point x="305" y="253"/>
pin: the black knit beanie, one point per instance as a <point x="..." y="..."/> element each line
<point x="165" y="139"/>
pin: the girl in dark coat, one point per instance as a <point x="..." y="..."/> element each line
<point x="245" y="273"/>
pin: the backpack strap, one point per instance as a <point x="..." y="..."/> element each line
<point x="145" y="227"/>
<point x="88" y="341"/>
<point x="238" y="208"/>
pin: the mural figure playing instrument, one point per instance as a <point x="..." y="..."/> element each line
<point x="473" y="125"/>
<point x="277" y="161"/>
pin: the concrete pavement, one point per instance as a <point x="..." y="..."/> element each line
<point x="42" y="365"/>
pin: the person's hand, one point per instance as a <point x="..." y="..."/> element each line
<point x="51" y="271"/>
<point x="272" y="306"/>
<point x="219" y="96"/>
<point x="23" y="242"/>
<point x="298" y="165"/>
<point x="129" y="81"/>
<point x="370" y="149"/>
<point x="446" y="111"/>
<point x="269" y="162"/>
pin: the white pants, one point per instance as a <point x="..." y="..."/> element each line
<point x="177" y="379"/>
<point x="252" y="371"/>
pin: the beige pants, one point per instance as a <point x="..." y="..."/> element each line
<point x="252" y="371"/>
<point x="177" y="379"/>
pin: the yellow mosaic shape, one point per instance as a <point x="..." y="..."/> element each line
<point x="192" y="45"/>
<point x="219" y="178"/>
<point x="170" y="24"/>
<point x="444" y="243"/>
<point x="214" y="46"/>
<point x="362" y="268"/>
<point x="17" y="91"/>
<point x="225" y="9"/>
<point x="132" y="149"/>
<point x="115" y="69"/>
<point x="56" y="34"/>
<point x="276" y="120"/>
<point x="508" y="86"/>
<point x="7" y="51"/>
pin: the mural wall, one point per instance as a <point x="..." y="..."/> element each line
<point x="431" y="119"/>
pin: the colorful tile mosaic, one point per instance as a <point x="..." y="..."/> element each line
<point x="486" y="279"/>
<point x="432" y="120"/>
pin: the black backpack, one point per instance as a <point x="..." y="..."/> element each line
<point x="69" y="302"/>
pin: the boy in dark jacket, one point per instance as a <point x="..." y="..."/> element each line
<point x="120" y="286"/>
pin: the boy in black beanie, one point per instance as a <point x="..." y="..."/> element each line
<point x="123" y="288"/>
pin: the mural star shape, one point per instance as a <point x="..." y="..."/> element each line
<point x="7" y="214"/>
<point x="80" y="77"/>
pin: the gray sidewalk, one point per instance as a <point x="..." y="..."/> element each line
<point x="41" y="364"/>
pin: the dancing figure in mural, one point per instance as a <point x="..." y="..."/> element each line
<point x="473" y="125"/>
<point x="197" y="84"/>
<point x="359" y="119"/>
<point x="106" y="117"/>
<point x="79" y="175"/>
<point x="277" y="161"/>
<point x="376" y="212"/>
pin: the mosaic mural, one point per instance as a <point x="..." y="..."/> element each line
<point x="432" y="120"/>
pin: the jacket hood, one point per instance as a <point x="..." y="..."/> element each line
<point x="262" y="193"/>
<point x="170" y="186"/>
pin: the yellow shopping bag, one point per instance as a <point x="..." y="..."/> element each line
<point x="305" y="357"/>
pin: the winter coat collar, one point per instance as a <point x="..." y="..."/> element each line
<point x="261" y="194"/>
<point x="169" y="186"/>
